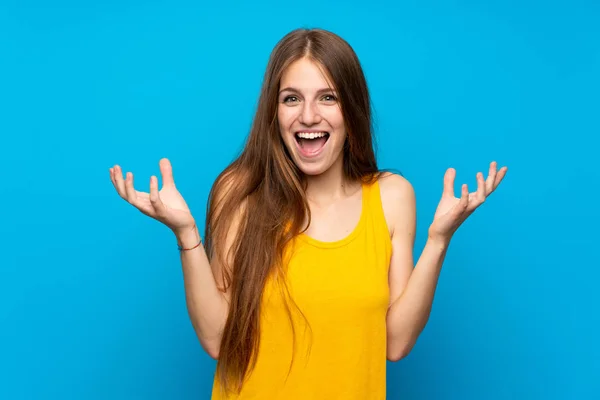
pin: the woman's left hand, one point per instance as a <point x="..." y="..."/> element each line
<point x="452" y="212"/>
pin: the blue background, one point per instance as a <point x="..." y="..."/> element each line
<point x="91" y="295"/>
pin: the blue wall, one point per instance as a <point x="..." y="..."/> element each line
<point x="91" y="296"/>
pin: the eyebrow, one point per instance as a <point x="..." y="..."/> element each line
<point x="292" y="89"/>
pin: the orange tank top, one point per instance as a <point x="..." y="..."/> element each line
<point x="338" y="341"/>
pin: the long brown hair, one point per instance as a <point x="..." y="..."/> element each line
<point x="264" y="189"/>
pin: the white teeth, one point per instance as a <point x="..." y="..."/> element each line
<point x="311" y="135"/>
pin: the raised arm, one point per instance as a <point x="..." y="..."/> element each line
<point x="207" y="305"/>
<point x="412" y="288"/>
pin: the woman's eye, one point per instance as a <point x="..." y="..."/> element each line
<point x="289" y="99"/>
<point x="329" y="97"/>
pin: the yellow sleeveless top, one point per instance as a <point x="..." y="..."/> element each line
<point x="338" y="342"/>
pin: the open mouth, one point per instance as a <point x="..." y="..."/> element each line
<point x="311" y="143"/>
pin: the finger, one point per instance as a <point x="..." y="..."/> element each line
<point x="111" y="172"/>
<point x="491" y="179"/>
<point x="449" y="182"/>
<point x="464" y="198"/>
<point x="463" y="203"/>
<point x="129" y="190"/>
<point x="481" y="193"/>
<point x="499" y="176"/>
<point x="460" y="210"/>
<point x="155" y="200"/>
<point x="119" y="182"/>
<point x="478" y="197"/>
<point x="166" y="170"/>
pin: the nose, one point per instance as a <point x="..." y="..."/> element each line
<point x="309" y="115"/>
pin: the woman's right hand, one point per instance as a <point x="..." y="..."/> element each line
<point x="166" y="205"/>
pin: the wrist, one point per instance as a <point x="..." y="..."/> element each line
<point x="187" y="237"/>
<point x="439" y="241"/>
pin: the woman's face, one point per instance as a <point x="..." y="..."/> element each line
<point x="310" y="118"/>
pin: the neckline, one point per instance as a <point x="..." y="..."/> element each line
<point x="341" y="242"/>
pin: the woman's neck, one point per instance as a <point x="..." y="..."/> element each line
<point x="329" y="186"/>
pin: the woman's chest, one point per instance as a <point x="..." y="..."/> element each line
<point x="352" y="279"/>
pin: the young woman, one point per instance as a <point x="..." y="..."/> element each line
<point x="304" y="284"/>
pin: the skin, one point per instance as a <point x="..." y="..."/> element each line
<point x="306" y="102"/>
<point x="335" y="206"/>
